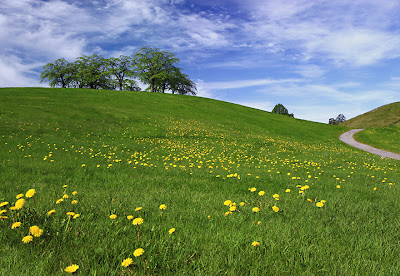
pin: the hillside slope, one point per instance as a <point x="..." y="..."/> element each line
<point x="387" y="115"/>
<point x="66" y="107"/>
<point x="135" y="183"/>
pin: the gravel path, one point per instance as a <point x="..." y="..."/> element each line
<point x="347" y="137"/>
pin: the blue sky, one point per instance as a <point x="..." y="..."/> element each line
<point x="318" y="58"/>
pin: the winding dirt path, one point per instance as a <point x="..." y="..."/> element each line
<point x="347" y="138"/>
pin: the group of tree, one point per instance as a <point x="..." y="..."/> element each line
<point x="158" y="69"/>
<point x="339" y="119"/>
<point x="280" y="109"/>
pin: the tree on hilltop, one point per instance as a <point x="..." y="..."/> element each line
<point x="121" y="68"/>
<point x="59" y="73"/>
<point x="150" y="65"/>
<point x="91" y="72"/>
<point x="153" y="66"/>
<point x="280" y="109"/>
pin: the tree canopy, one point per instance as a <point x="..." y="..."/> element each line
<point x="280" y="109"/>
<point x="158" y="69"/>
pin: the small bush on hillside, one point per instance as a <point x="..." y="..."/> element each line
<point x="280" y="109"/>
<point x="339" y="119"/>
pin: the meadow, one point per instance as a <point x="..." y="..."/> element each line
<point x="382" y="138"/>
<point x="133" y="183"/>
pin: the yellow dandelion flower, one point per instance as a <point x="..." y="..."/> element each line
<point x="30" y="193"/>
<point x="275" y="196"/>
<point x="209" y="217"/>
<point x="138" y="252"/>
<point x="228" y="213"/>
<point x="20" y="203"/>
<point x="65" y="186"/>
<point x="70" y="213"/>
<point x="227" y="202"/>
<point x="255" y="243"/>
<point x="74" y="202"/>
<point x="137" y="221"/>
<point x="113" y="216"/>
<point x="59" y="201"/>
<point x="375" y="188"/>
<point x="172" y="230"/>
<point x="72" y="268"/>
<point x="3" y="203"/>
<point x="16" y="225"/>
<point x="232" y="208"/>
<point x="36" y="231"/>
<point x="49" y="213"/>
<point x="256" y="209"/>
<point x="241" y="204"/>
<point x="74" y="193"/>
<point x="130" y="217"/>
<point x="319" y="204"/>
<point x="3" y="211"/>
<point x="27" y="239"/>
<point x="138" y="209"/>
<point x="287" y="191"/>
<point x="3" y="217"/>
<point x="76" y="216"/>
<point x="19" y="196"/>
<point x="163" y="207"/>
<point x="261" y="193"/>
<point x="65" y="196"/>
<point x="252" y="189"/>
<point x="323" y="201"/>
<point x="127" y="262"/>
<point x="309" y="199"/>
<point x="275" y="208"/>
<point x="258" y="222"/>
<point x="83" y="165"/>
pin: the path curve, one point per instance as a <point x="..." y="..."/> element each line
<point x="347" y="138"/>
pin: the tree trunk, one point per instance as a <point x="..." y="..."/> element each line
<point x="152" y="85"/>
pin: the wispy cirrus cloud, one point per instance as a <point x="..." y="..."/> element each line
<point x="346" y="33"/>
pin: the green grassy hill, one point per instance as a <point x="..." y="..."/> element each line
<point x="387" y="115"/>
<point x="382" y="127"/>
<point x="221" y="188"/>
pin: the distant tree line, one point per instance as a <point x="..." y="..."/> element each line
<point x="158" y="69"/>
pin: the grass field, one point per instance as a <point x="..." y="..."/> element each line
<point x="319" y="207"/>
<point x="387" y="138"/>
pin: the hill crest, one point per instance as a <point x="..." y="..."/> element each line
<point x="386" y="115"/>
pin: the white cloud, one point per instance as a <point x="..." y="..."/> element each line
<point x="357" y="47"/>
<point x="357" y="33"/>
<point x="15" y="74"/>
<point x="246" y="83"/>
<point x="310" y="70"/>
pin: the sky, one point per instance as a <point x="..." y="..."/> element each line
<point x="319" y="58"/>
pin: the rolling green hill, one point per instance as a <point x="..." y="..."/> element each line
<point x="387" y="115"/>
<point x="382" y="127"/>
<point x="135" y="183"/>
